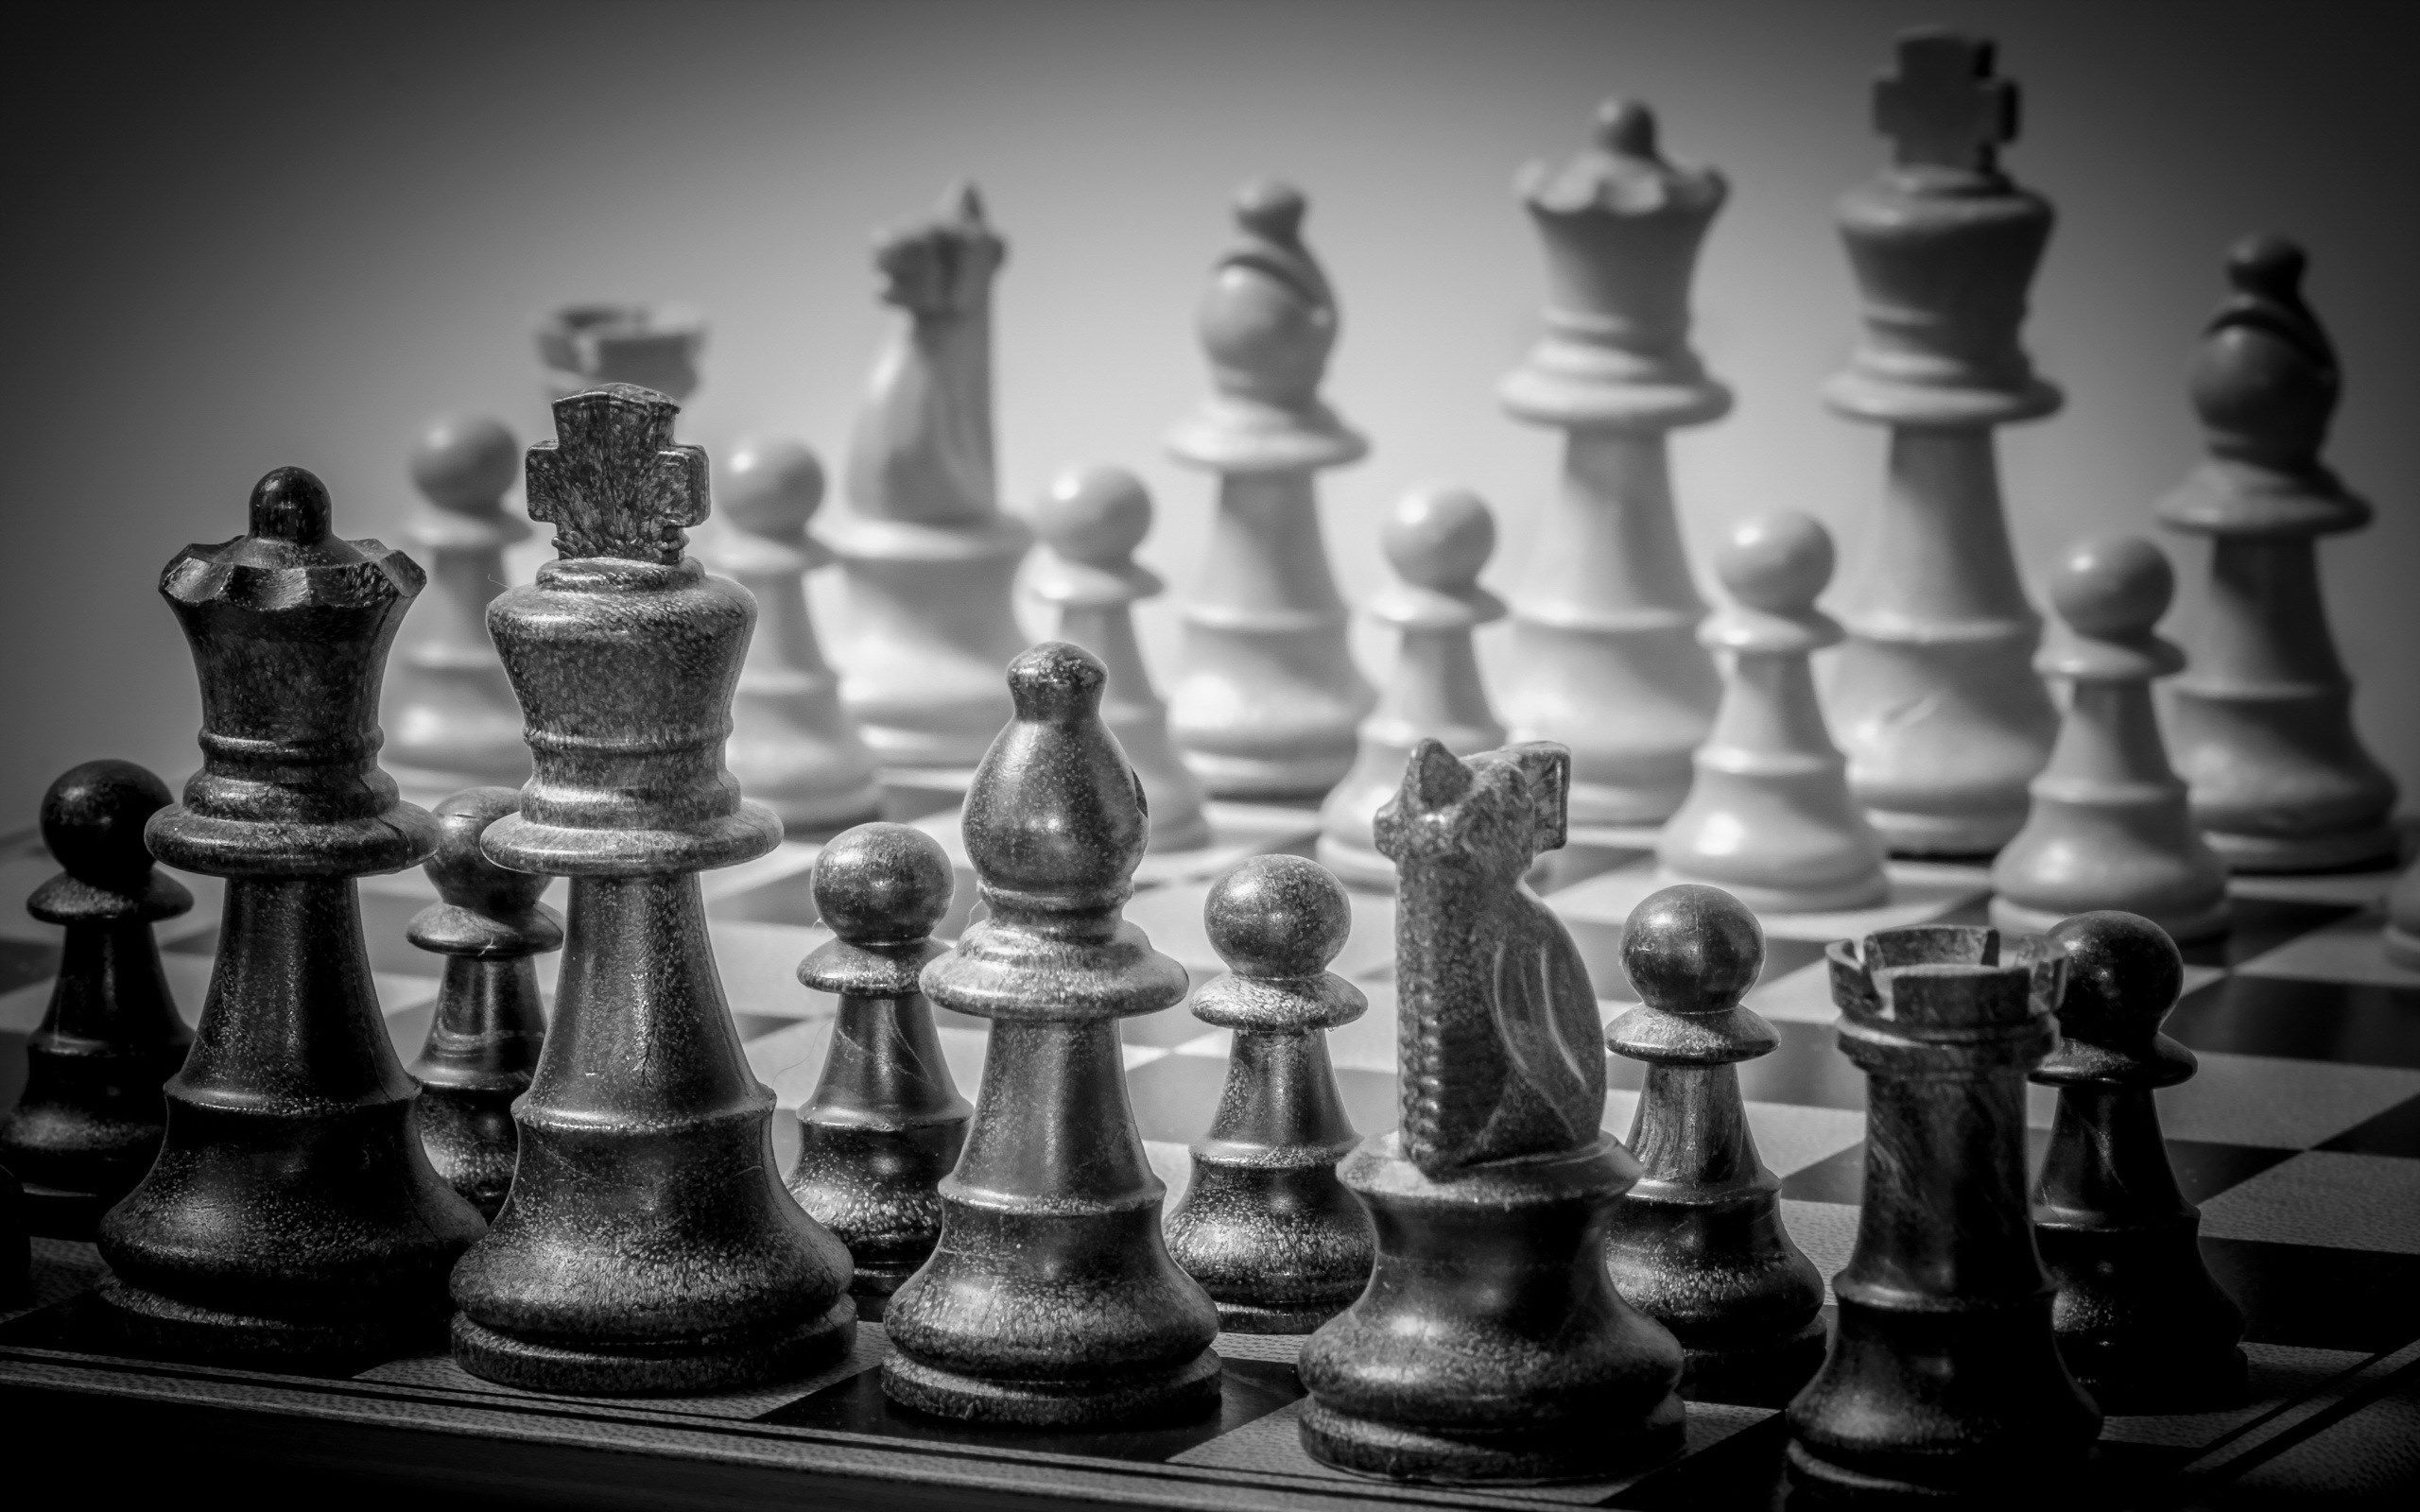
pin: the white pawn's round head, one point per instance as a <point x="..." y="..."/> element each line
<point x="1439" y="537"/>
<point x="1778" y="563"/>
<point x="2112" y="587"/>
<point x="465" y="462"/>
<point x="1095" y="515"/>
<point x="770" y="486"/>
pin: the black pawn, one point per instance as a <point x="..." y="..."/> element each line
<point x="1943" y="1379"/>
<point x="483" y="1043"/>
<point x="2139" y="1320"/>
<point x="1266" y="1228"/>
<point x="1050" y="1299"/>
<point x="1697" y="1245"/>
<point x="89" y="1122"/>
<point x="886" y="1122"/>
<point x="291" y="1214"/>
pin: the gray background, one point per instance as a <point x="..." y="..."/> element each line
<point x="243" y="236"/>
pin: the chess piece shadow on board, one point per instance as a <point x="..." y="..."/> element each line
<point x="1944" y="1377"/>
<point x="1090" y="521"/>
<point x="1933" y="697"/>
<point x="885" y="1122"/>
<point x="1605" y="611"/>
<point x="1698" y="1243"/>
<point x="1050" y="1299"/>
<point x="646" y="1244"/>
<point x="1491" y="1344"/>
<point x="89" y="1121"/>
<point x="1769" y="818"/>
<point x="484" y="1038"/>
<point x="291" y="1214"/>
<point x="1266" y="1228"/>
<point x="1437" y="540"/>
<point x="450" y="719"/>
<point x="793" y="747"/>
<point x="927" y="559"/>
<point x="2139" y="1319"/>
<point x="2262" y="721"/>
<point x="1265" y="696"/>
<point x="2109" y="826"/>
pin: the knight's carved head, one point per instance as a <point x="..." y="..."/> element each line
<point x="1493" y="814"/>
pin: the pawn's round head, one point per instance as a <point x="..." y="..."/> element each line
<point x="465" y="462"/>
<point x="883" y="884"/>
<point x="291" y="504"/>
<point x="1056" y="683"/>
<point x="1692" y="949"/>
<point x="1095" y="515"/>
<point x="463" y="874"/>
<point x="1627" y="127"/>
<point x="771" y="486"/>
<point x="1439" y="537"/>
<point x="1270" y="208"/>
<point x="92" y="819"/>
<point x="2266" y="265"/>
<point x="1277" y="917"/>
<point x="1777" y="562"/>
<point x="2123" y="975"/>
<point x="2112" y="586"/>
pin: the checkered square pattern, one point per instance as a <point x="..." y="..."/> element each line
<point x="2299" y="1138"/>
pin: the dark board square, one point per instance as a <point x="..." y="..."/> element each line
<point x="2202" y="1169"/>
<point x="1247" y="1389"/>
<point x="2360" y="1022"/>
<point x="25" y="962"/>
<point x="2324" y="1298"/>
<point x="2259" y="926"/>
<point x="1836" y="1177"/>
<point x="2396" y="1131"/>
<point x="1742" y="1472"/>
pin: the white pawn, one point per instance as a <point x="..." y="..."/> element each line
<point x="2110" y="826"/>
<point x="793" y="745"/>
<point x="1437" y="540"/>
<point x="1769" y="817"/>
<point x="1090" y="523"/>
<point x="450" y="717"/>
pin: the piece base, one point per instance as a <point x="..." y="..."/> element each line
<point x="1248" y="1318"/>
<point x="1762" y="1375"/>
<point x="1946" y="836"/>
<point x="1518" y="1457"/>
<point x="2015" y="919"/>
<point x="1269" y="779"/>
<point x="727" y="1362"/>
<point x="2169" y="1382"/>
<point x="1187" y="1390"/>
<point x="1816" y="1480"/>
<point x="2336" y="850"/>
<point x="871" y="1285"/>
<point x="152" y="1324"/>
<point x="1857" y="892"/>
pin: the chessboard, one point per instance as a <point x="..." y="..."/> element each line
<point x="2299" y="1138"/>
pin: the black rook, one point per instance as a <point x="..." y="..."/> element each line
<point x="1943" y="1376"/>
